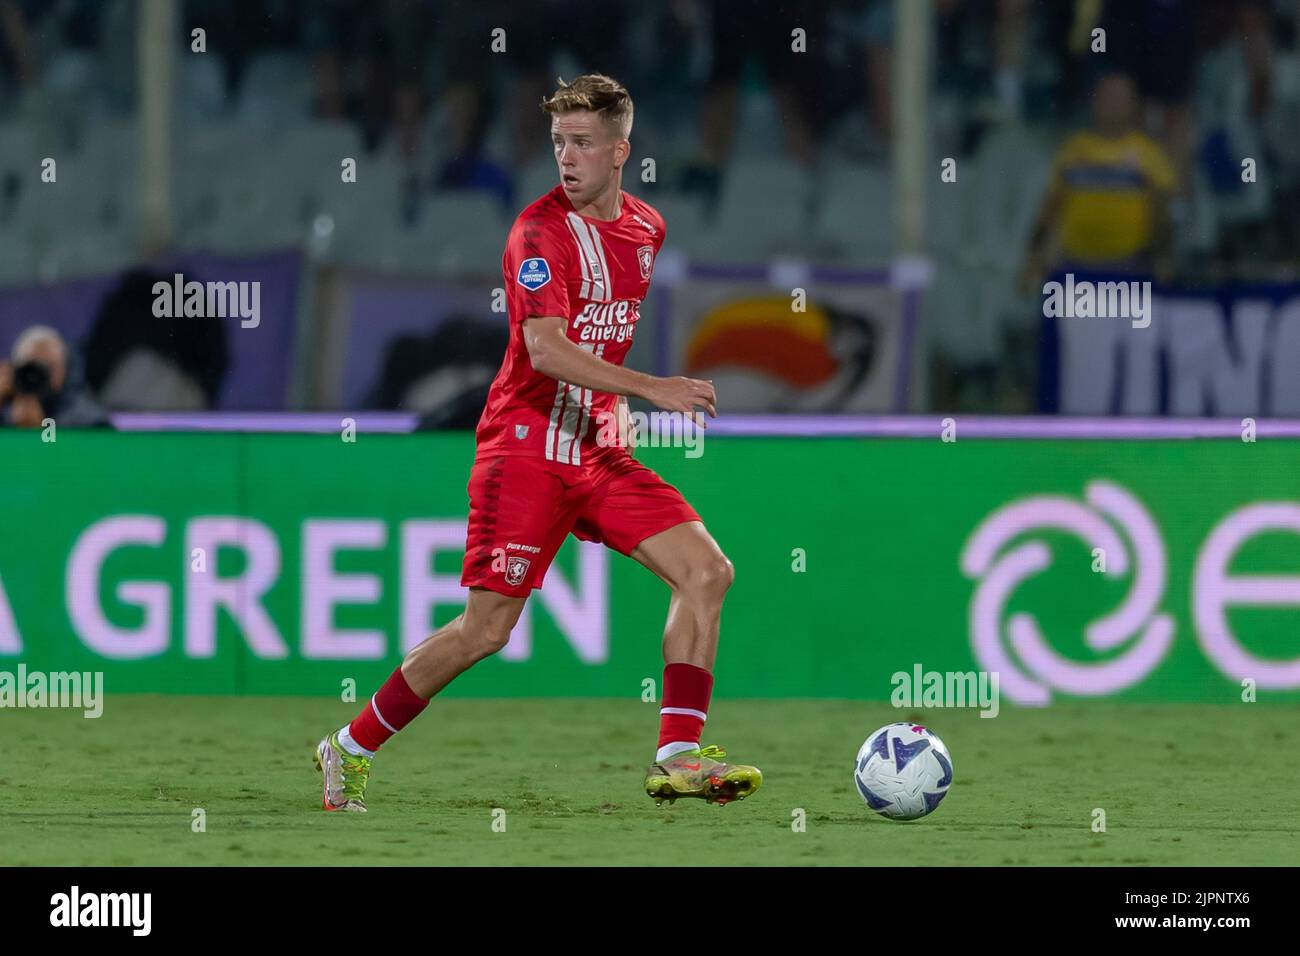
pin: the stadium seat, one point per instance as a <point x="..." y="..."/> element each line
<point x="762" y="202"/>
<point x="71" y="84"/>
<point x="306" y="173"/>
<point x="109" y="157"/>
<point x="203" y="157"/>
<point x="85" y="253"/>
<point x="242" y="189"/>
<point x="20" y="139"/>
<point x="466" y="231"/>
<point x="255" y="210"/>
<point x="202" y="87"/>
<point x="1285" y="117"/>
<point x="539" y="177"/>
<point x="20" y="169"/>
<point x="319" y="145"/>
<point x="17" y="263"/>
<point x="685" y="221"/>
<point x="855" y="218"/>
<point x="276" y="90"/>
<point x="1010" y="177"/>
<point x="365" y="214"/>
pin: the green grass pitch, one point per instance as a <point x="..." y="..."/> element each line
<point x="1180" y="785"/>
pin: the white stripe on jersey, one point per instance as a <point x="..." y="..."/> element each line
<point x="608" y="285"/>
<point x="570" y="418"/>
<point x="568" y="445"/>
<point x="585" y="401"/>
<point x="591" y="253"/>
<point x="556" y="411"/>
<point x="585" y="291"/>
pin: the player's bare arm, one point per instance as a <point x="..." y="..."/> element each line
<point x="553" y="354"/>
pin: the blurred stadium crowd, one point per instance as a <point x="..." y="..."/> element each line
<point x="1128" y="159"/>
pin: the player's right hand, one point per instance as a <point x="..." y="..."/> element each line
<point x="681" y="394"/>
<point x="6" y="381"/>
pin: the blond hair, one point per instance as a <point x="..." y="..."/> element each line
<point x="595" y="93"/>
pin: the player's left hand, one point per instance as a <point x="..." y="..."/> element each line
<point x="682" y="394"/>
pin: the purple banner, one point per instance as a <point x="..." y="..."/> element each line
<point x="260" y="357"/>
<point x="381" y="310"/>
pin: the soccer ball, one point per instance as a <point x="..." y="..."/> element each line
<point x="903" y="771"/>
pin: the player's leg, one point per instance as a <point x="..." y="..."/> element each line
<point x="457" y="646"/>
<point x="639" y="514"/>
<point x="689" y="561"/>
<point x="513" y="503"/>
<point x="343" y="758"/>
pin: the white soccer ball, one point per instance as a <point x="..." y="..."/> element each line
<point x="903" y="771"/>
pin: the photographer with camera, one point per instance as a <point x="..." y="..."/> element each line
<point x="34" y="385"/>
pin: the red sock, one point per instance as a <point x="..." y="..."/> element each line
<point x="393" y="707"/>
<point x="686" y="702"/>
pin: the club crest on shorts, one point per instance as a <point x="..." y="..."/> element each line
<point x="645" y="256"/>
<point x="516" y="568"/>
<point x="533" y="274"/>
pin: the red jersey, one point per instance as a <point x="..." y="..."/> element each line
<point x="592" y="273"/>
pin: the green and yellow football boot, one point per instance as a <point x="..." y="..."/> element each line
<point x="701" y="773"/>
<point x="345" y="776"/>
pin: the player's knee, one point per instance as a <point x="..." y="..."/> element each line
<point x="712" y="577"/>
<point x="489" y="640"/>
<point x="726" y="573"/>
<point x="489" y="619"/>
<point x="490" y="633"/>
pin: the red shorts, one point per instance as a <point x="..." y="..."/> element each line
<point x="521" y="509"/>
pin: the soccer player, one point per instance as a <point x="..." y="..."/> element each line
<point x="550" y="460"/>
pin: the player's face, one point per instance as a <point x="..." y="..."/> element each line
<point x="588" y="152"/>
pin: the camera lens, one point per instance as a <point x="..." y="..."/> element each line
<point x="31" y="378"/>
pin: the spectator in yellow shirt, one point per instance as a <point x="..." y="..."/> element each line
<point x="1107" y="209"/>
